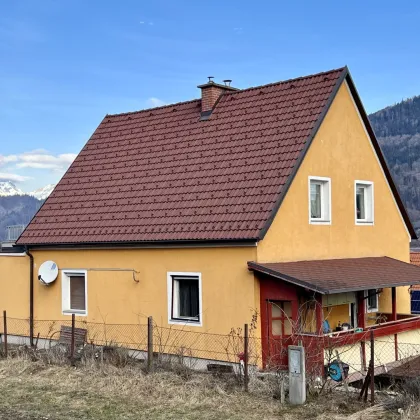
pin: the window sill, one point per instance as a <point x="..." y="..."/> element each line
<point x="76" y="312"/>
<point x="319" y="222"/>
<point x="185" y="322"/>
<point x="372" y="311"/>
<point x="364" y="222"/>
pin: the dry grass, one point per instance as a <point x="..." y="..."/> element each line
<point x="37" y="390"/>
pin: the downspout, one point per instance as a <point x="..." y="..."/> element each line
<point x="31" y="296"/>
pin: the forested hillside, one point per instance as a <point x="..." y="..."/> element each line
<point x="16" y="210"/>
<point x="398" y="130"/>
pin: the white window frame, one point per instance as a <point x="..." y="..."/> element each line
<point x="326" y="216"/>
<point x="369" y="203"/>
<point x="373" y="309"/>
<point x="65" y="293"/>
<point x="191" y="322"/>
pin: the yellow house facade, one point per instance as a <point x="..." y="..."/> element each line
<point x="268" y="177"/>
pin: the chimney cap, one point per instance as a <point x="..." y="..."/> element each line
<point x="227" y="82"/>
<point x="211" y="83"/>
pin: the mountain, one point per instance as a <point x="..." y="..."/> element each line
<point x="17" y="207"/>
<point x="43" y="192"/>
<point x="7" y="188"/>
<point x="398" y="130"/>
<point x="17" y="210"/>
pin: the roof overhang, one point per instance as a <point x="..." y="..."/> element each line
<point x="342" y="275"/>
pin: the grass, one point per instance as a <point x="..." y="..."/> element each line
<point x="35" y="390"/>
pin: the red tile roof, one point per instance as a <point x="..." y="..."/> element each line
<point x="163" y="175"/>
<point x="341" y="275"/>
<point x="415" y="258"/>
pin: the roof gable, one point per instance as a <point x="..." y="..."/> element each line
<point x="163" y="175"/>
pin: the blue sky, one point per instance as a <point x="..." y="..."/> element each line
<point x="65" y="64"/>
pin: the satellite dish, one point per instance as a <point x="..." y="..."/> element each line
<point x="48" y="272"/>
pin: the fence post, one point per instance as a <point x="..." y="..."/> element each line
<point x="73" y="321"/>
<point x="372" y="373"/>
<point x="246" y="357"/>
<point x="5" y="333"/>
<point x="150" y="343"/>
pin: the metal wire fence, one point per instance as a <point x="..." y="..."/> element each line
<point x="394" y="356"/>
<point x="195" y="349"/>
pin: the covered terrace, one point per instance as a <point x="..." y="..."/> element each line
<point x="333" y="302"/>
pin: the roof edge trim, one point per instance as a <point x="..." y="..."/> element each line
<point x="150" y="244"/>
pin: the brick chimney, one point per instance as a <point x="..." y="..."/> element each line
<point x="210" y="94"/>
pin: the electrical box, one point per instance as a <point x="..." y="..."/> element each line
<point x="297" y="377"/>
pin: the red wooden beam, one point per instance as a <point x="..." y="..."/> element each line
<point x="319" y="314"/>
<point x="380" y="331"/>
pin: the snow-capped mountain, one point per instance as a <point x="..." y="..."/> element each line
<point x="7" y="188"/>
<point x="43" y="192"/>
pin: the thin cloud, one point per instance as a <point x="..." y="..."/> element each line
<point x="5" y="176"/>
<point x="4" y="160"/>
<point x="39" y="159"/>
<point x="154" y="102"/>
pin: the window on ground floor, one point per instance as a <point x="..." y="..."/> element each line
<point x="74" y="292"/>
<point x="184" y="298"/>
<point x="371" y="296"/>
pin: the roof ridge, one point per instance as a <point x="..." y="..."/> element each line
<point x="280" y="82"/>
<point x="154" y="108"/>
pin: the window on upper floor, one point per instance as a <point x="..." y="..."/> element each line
<point x="184" y="298"/>
<point x="319" y="200"/>
<point x="364" y="209"/>
<point x="74" y="292"/>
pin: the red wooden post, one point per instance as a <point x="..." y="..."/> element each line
<point x="361" y="310"/>
<point x="319" y="345"/>
<point x="319" y="314"/>
<point x="394" y="318"/>
<point x="394" y="304"/>
<point x="372" y="361"/>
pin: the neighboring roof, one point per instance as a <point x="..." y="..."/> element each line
<point x="343" y="275"/>
<point x="415" y="258"/>
<point x="162" y="175"/>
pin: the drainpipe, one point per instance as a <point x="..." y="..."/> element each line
<point x="31" y="296"/>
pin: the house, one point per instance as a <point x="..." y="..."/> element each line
<point x="275" y="199"/>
